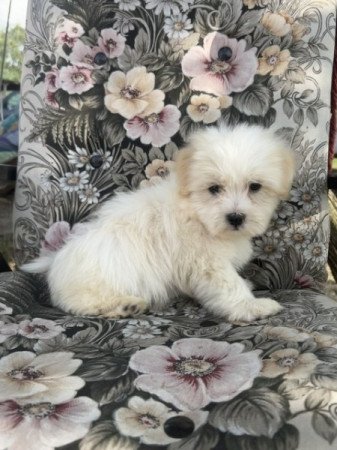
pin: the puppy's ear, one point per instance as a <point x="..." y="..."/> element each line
<point x="288" y="168"/>
<point x="183" y="160"/>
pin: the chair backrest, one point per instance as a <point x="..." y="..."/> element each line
<point x="110" y="90"/>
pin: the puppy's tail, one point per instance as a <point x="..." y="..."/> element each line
<point x="40" y="264"/>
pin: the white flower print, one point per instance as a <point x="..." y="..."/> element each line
<point x="46" y="377"/>
<point x="204" y="108"/>
<point x="133" y="93"/>
<point x="79" y="157"/>
<point x="140" y="329"/>
<point x="316" y="251"/>
<point x="177" y="27"/>
<point x="269" y="246"/>
<point x="47" y="424"/>
<point x="39" y="329"/>
<point x="297" y="237"/>
<point x="144" y="419"/>
<point x="74" y="181"/>
<point x="289" y="363"/>
<point x="305" y="196"/>
<point x="89" y="194"/>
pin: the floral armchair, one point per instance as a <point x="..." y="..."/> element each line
<point x="110" y="91"/>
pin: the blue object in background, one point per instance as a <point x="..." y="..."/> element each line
<point x="9" y="134"/>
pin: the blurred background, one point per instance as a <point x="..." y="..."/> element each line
<point x="12" y="33"/>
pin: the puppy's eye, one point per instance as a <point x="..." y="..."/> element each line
<point x="255" y="187"/>
<point x="215" y="189"/>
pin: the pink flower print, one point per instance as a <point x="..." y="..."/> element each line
<point x="156" y="128"/>
<point x="111" y="43"/>
<point x="83" y="55"/>
<point x="48" y="425"/>
<point x="52" y="84"/>
<point x="58" y="233"/>
<point x="69" y="32"/>
<point x="73" y="29"/>
<point x="56" y="236"/>
<point x="75" y="80"/>
<point x="195" y="372"/>
<point x="221" y="66"/>
<point x="64" y="38"/>
<point x="50" y="99"/>
<point x="304" y="281"/>
<point x="52" y="80"/>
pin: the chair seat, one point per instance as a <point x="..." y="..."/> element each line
<point x="271" y="384"/>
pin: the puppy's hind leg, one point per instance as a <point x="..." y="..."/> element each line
<point x="124" y="306"/>
<point x="97" y="300"/>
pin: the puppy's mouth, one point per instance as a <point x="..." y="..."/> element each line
<point x="236" y="228"/>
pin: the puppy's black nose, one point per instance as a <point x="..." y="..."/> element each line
<point x="235" y="219"/>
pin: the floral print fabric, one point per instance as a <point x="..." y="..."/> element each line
<point x="110" y="91"/>
<point x="92" y="383"/>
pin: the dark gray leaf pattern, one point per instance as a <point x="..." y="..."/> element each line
<point x="257" y="412"/>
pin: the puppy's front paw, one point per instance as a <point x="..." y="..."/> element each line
<point x="256" y="309"/>
<point x="265" y="307"/>
<point x="127" y="306"/>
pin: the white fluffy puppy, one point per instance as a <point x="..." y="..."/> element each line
<point x="189" y="234"/>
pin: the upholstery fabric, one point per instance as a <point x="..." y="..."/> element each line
<point x="94" y="384"/>
<point x="273" y="383"/>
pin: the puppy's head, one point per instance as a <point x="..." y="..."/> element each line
<point x="234" y="178"/>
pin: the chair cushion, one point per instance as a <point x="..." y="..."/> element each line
<point x="179" y="380"/>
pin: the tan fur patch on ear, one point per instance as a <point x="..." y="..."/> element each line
<point x="288" y="171"/>
<point x="183" y="159"/>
